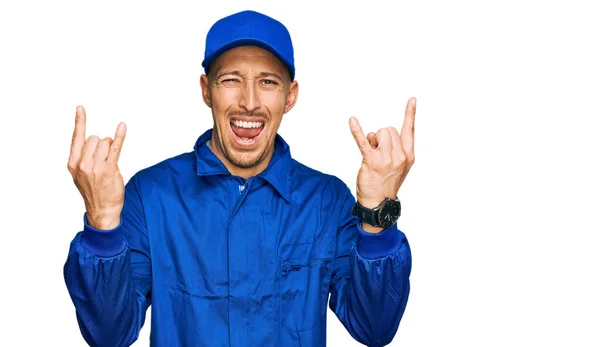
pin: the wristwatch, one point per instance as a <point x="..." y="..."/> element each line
<point x="384" y="215"/>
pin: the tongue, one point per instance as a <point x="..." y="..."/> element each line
<point x="246" y="132"/>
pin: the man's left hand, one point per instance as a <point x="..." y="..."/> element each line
<point x="387" y="158"/>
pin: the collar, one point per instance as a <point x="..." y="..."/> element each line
<point x="277" y="173"/>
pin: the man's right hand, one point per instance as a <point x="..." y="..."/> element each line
<point x="93" y="163"/>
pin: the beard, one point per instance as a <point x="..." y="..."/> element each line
<point x="243" y="159"/>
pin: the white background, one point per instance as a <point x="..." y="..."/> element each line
<point x="502" y="205"/>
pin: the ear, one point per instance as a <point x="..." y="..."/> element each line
<point x="205" y="90"/>
<point x="292" y="96"/>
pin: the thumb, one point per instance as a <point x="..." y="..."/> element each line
<point x="359" y="136"/>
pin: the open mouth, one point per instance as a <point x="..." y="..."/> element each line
<point x="246" y="133"/>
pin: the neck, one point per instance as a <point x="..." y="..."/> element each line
<point x="236" y="170"/>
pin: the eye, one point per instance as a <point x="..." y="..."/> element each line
<point x="230" y="81"/>
<point x="269" y="82"/>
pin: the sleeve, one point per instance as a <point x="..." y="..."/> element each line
<point x="370" y="279"/>
<point x="108" y="276"/>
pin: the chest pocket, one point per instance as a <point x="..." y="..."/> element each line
<point x="303" y="287"/>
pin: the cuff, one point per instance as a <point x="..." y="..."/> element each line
<point x="373" y="246"/>
<point x="103" y="243"/>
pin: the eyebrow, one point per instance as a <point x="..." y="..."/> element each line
<point x="262" y="74"/>
<point x="236" y="73"/>
<point x="270" y="74"/>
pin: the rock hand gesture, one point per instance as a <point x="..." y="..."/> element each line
<point x="93" y="163"/>
<point x="387" y="155"/>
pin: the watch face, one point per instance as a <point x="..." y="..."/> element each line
<point x="389" y="214"/>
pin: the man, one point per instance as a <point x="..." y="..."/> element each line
<point x="236" y="243"/>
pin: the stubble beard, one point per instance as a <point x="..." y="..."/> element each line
<point x="243" y="160"/>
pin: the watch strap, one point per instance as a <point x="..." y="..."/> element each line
<point x="366" y="215"/>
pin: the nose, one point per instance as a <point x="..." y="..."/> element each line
<point x="249" y="99"/>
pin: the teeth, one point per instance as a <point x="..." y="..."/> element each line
<point x="244" y="124"/>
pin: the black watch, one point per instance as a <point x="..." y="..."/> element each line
<point x="384" y="215"/>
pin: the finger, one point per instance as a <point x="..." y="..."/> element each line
<point x="115" y="148"/>
<point x="372" y="140"/>
<point x="102" y="150"/>
<point x="359" y="136"/>
<point x="78" y="134"/>
<point x="87" y="152"/>
<point x="395" y="139"/>
<point x="408" y="128"/>
<point x="398" y="154"/>
<point x="383" y="139"/>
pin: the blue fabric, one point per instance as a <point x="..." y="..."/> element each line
<point x="229" y="262"/>
<point x="101" y="242"/>
<point x="249" y="28"/>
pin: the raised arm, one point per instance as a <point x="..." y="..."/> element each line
<point x="108" y="271"/>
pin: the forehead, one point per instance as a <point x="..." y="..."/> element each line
<point x="248" y="58"/>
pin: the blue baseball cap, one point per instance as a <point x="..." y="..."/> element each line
<point x="249" y="28"/>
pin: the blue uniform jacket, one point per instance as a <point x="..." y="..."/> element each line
<point x="229" y="262"/>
